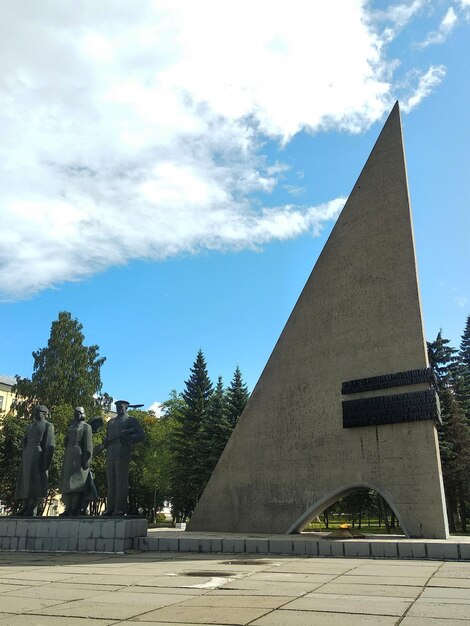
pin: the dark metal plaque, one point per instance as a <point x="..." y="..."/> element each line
<point x="411" y="377"/>
<point x="394" y="409"/>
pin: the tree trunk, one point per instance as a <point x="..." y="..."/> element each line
<point x="385" y="516"/>
<point x="463" y="511"/>
<point x="450" y="512"/>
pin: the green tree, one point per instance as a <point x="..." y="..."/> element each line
<point x="454" y="434"/>
<point x="237" y="397"/>
<point x="66" y="372"/>
<point x="463" y="374"/>
<point x="140" y="493"/>
<point x="464" y="353"/>
<point x="157" y="462"/>
<point x="443" y="359"/>
<point x="11" y="444"/>
<point x="215" y="431"/>
<point x="187" y="479"/>
<point x="225" y="408"/>
<point x="454" y="437"/>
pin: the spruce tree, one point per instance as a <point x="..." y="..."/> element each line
<point x="464" y="354"/>
<point x="187" y="475"/>
<point x="237" y="397"/>
<point x="454" y="436"/>
<point x="442" y="358"/>
<point x="463" y="375"/>
<point x="66" y="372"/>
<point x="215" y="431"/>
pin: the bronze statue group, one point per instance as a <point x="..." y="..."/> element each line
<point x="76" y="481"/>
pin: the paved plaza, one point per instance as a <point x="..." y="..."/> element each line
<point x="177" y="588"/>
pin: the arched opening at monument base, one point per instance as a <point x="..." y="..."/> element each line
<point x="362" y="508"/>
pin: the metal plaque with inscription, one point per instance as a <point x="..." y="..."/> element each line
<point x="391" y="409"/>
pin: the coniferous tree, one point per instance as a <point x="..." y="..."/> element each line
<point x="455" y="455"/>
<point x="463" y="377"/>
<point x="454" y="435"/>
<point x="464" y="354"/>
<point x="237" y="397"/>
<point x="66" y="372"/>
<point x="215" y="431"/>
<point x="187" y="476"/>
<point x="442" y="359"/>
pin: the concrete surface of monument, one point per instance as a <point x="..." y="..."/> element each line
<point x="346" y="399"/>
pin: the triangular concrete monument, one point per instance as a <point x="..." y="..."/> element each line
<point x="346" y="398"/>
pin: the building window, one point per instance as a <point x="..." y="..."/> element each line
<point x="1" y="402"/>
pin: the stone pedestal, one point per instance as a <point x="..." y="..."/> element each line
<point x="80" y="534"/>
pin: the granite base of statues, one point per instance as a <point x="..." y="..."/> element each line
<point x="77" y="534"/>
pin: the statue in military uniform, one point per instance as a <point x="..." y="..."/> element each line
<point x="38" y="450"/>
<point x="122" y="432"/>
<point x="76" y="481"/>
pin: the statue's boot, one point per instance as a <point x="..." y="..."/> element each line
<point x="29" y="512"/>
<point x="30" y="505"/>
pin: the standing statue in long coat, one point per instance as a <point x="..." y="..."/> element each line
<point x="121" y="433"/>
<point x="38" y="450"/>
<point x="76" y="481"/>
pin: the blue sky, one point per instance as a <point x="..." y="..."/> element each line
<point x="170" y="171"/>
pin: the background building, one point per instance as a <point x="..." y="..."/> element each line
<point x="6" y="395"/>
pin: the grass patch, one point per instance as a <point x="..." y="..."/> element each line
<point x="368" y="529"/>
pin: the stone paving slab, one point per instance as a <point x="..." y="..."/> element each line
<point x="446" y="592"/>
<point x="285" y="577"/>
<point x="442" y="610"/>
<point x="12" y="604"/>
<point x="317" y="618"/>
<point x="42" y="620"/>
<point x="204" y="615"/>
<point x="352" y="589"/>
<point x="141" y="623"/>
<point x="350" y="604"/>
<point x="405" y="571"/>
<point x="314" y="566"/>
<point x="268" y="588"/>
<point x="430" y="621"/>
<point x="382" y="580"/>
<point x="189" y="589"/>
<point x="463" y="583"/>
<point x="217" y="599"/>
<point x="107" y="610"/>
<point x="55" y="592"/>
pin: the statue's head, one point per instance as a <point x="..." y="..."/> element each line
<point x="79" y="414"/>
<point x="121" y="406"/>
<point x="40" y="412"/>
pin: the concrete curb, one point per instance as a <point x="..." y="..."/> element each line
<point x="445" y="550"/>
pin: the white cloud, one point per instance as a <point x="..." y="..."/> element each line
<point x="135" y="130"/>
<point x="397" y="16"/>
<point x="461" y="301"/>
<point x="156" y="407"/>
<point x="446" y="26"/>
<point x="425" y="85"/>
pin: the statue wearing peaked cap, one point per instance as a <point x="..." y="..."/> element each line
<point x="38" y="450"/>
<point x="123" y="431"/>
<point x="76" y="482"/>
